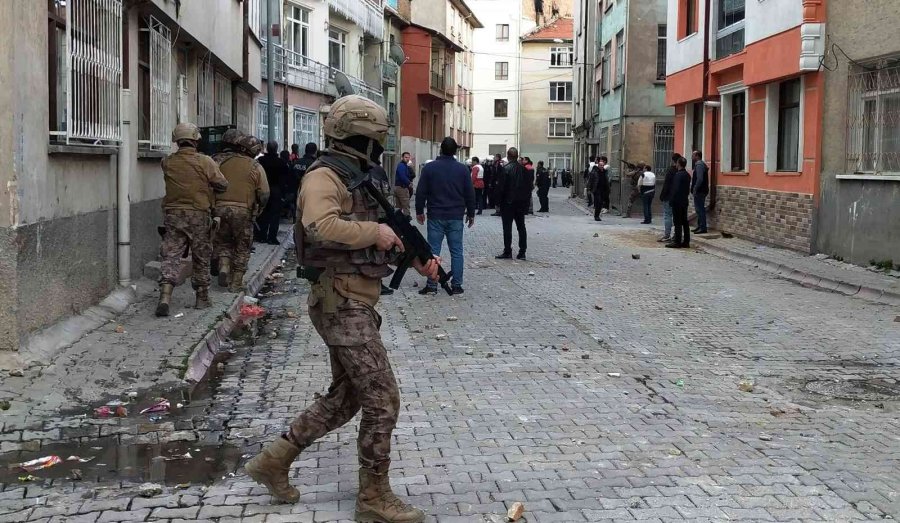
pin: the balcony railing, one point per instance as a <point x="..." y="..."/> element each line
<point x="364" y="13"/>
<point x="295" y="69"/>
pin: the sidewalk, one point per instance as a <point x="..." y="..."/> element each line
<point x="134" y="351"/>
<point x="817" y="271"/>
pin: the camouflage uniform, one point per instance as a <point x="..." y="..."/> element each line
<point x="186" y="230"/>
<point x="247" y="192"/>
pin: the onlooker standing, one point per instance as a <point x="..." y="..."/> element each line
<point x="499" y="172"/>
<point x="488" y="196"/>
<point x="587" y="181"/>
<point x="699" y="189"/>
<point x="680" y="198"/>
<point x="277" y="171"/>
<point x="543" y="187"/>
<point x="554" y="177"/>
<point x="445" y="188"/>
<point x="593" y="186"/>
<point x="403" y="185"/>
<point x="514" y="194"/>
<point x="603" y="163"/>
<point x="647" y="183"/>
<point x="526" y="161"/>
<point x="665" y="196"/>
<point x="478" y="183"/>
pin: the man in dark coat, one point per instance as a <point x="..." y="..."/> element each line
<point x="277" y="171"/>
<point x="680" y="198"/>
<point x="665" y="196"/>
<point x="514" y="193"/>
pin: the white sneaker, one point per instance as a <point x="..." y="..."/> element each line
<point x="604" y="211"/>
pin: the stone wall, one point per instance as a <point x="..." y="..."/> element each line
<point x="776" y="218"/>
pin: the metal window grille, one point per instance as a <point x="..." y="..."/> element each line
<point x="223" y="100"/>
<point x="873" y="119"/>
<point x="205" y="94"/>
<point x="616" y="138"/>
<point x="663" y="146"/>
<point x="160" y="85"/>
<point x="661" y="52"/>
<point x="306" y="128"/>
<point x="93" y="71"/>
<point x="182" y="94"/>
<point x="262" y="121"/>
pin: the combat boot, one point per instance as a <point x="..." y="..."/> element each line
<point x="237" y="282"/>
<point x="377" y="503"/>
<point x="224" y="271"/>
<point x="202" y="301"/>
<point x="165" y="298"/>
<point x="270" y="469"/>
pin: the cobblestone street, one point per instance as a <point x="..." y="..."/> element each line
<point x="606" y="378"/>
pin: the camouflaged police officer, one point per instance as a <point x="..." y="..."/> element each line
<point x="345" y="252"/>
<point x="192" y="179"/>
<point x="237" y="208"/>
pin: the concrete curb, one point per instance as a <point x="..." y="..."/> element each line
<point x="207" y="350"/>
<point x="801" y="277"/>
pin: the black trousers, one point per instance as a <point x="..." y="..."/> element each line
<point x="598" y="203"/>
<point x="682" y="227"/>
<point x="269" y="219"/>
<point x="542" y="197"/>
<point x="479" y="199"/>
<point x="514" y="212"/>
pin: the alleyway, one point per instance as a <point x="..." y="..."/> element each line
<point x="599" y="380"/>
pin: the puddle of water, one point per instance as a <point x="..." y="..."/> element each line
<point x="160" y="463"/>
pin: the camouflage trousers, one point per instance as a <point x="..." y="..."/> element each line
<point x="234" y="237"/>
<point x="361" y="378"/>
<point x="186" y="230"/>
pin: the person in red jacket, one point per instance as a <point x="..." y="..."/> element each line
<point x="478" y="183"/>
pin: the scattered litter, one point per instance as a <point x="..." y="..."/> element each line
<point x="680" y="382"/>
<point x="415" y="284"/>
<point x="505" y="351"/>
<point x="452" y="318"/>
<point x="531" y="273"/>
<point x="4" y="405"/>
<point x="179" y="405"/>
<point x="38" y="464"/>
<point x="746" y="385"/>
<point x="585" y="356"/>
<point x="440" y="336"/>
<point x="162" y="405"/>
<point x="291" y="314"/>
<point x="634" y="503"/>
<point x="155" y="419"/>
<point x="80" y="459"/>
<point x="614" y="374"/>
<point x="490" y="354"/>
<point x="250" y="300"/>
<point x="17" y="373"/>
<point x="75" y="474"/>
<point x="28" y="478"/>
<point x="182" y="485"/>
<point x="252" y="311"/>
<point x="180" y="315"/>
<point x="635" y="256"/>
<point x="186" y="455"/>
<point x="131" y="394"/>
<point x="148" y="490"/>
<point x="120" y="329"/>
<point x="564" y="349"/>
<point x="675" y="452"/>
<point x="220" y="367"/>
<point x="598" y="306"/>
<point x="566" y="375"/>
<point x="897" y="319"/>
<point x="107" y="411"/>
<point x="515" y="511"/>
<point x="765" y="437"/>
<point x="596" y="235"/>
<point x="470" y="352"/>
<point x="115" y="403"/>
<point x="417" y="331"/>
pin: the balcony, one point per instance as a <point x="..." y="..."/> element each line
<point x="364" y="13"/>
<point x="389" y="73"/>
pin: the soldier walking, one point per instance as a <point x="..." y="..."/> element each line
<point x="237" y="207"/>
<point x="191" y="180"/>
<point x="345" y="253"/>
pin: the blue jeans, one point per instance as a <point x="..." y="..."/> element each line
<point x="667" y="219"/>
<point x="700" y="207"/>
<point x="453" y="231"/>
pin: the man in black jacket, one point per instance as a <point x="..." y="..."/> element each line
<point x="277" y="171"/>
<point x="514" y="195"/>
<point x="699" y="190"/>
<point x="679" y="199"/>
<point x="665" y="196"/>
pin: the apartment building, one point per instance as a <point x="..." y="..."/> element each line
<point x="546" y="94"/>
<point x="745" y="80"/>
<point x="99" y="86"/>
<point x="436" y="81"/>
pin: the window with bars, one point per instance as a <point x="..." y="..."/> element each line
<point x="559" y="128"/>
<point x="306" y="127"/>
<point x="730" y="27"/>
<point x="160" y="40"/>
<point x="501" y="70"/>
<point x="502" y="32"/>
<point x="663" y="146"/>
<point x="296" y="34"/>
<point x="205" y="94"/>
<point x="560" y="91"/>
<point x="262" y="122"/>
<point x="661" y="52"/>
<point x="873" y="118"/>
<point x="561" y="57"/>
<point x="620" y="58"/>
<point x="223" y="100"/>
<point x="86" y="64"/>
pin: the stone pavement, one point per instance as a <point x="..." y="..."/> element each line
<point x="598" y="381"/>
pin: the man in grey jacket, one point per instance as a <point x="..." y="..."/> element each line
<point x="699" y="190"/>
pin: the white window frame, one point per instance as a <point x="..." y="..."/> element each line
<point x="223" y="100"/>
<point x="500" y="73"/>
<point x="554" y="92"/>
<point x="553" y="124"/>
<point x="620" y="59"/>
<point x="160" y="85"/>
<point x="306" y="127"/>
<point x="562" y="56"/>
<point x="605" y="68"/>
<point x="721" y="32"/>
<point x="554" y="158"/>
<point x="502" y="35"/>
<point x="297" y="58"/>
<point x="726" y="92"/>
<point x="255" y="18"/>
<point x="262" y="128"/>
<point x="206" y="108"/>
<point x="341" y="41"/>
<point x="773" y="103"/>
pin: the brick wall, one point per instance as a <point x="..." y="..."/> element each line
<point x="777" y="218"/>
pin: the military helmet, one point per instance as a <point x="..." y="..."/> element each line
<point x="186" y="131"/>
<point x="232" y="137"/>
<point x="251" y="144"/>
<point x="355" y="115"/>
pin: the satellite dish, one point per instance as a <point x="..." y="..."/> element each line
<point x="342" y="84"/>
<point x="397" y="54"/>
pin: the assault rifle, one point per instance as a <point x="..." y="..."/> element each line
<point x="415" y="247"/>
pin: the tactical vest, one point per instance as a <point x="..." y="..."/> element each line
<point x="238" y="170"/>
<point x="187" y="180"/>
<point x="318" y="254"/>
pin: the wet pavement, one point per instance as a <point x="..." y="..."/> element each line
<point x="587" y="383"/>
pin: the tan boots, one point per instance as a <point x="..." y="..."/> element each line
<point x="224" y="271"/>
<point x="377" y="503"/>
<point x="202" y="301"/>
<point x="237" y="282"/>
<point x="165" y="298"/>
<point x="271" y="466"/>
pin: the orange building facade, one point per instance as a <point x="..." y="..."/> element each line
<point x="745" y="84"/>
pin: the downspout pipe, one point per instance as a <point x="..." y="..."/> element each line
<point x="715" y="113"/>
<point x="123" y="188"/>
